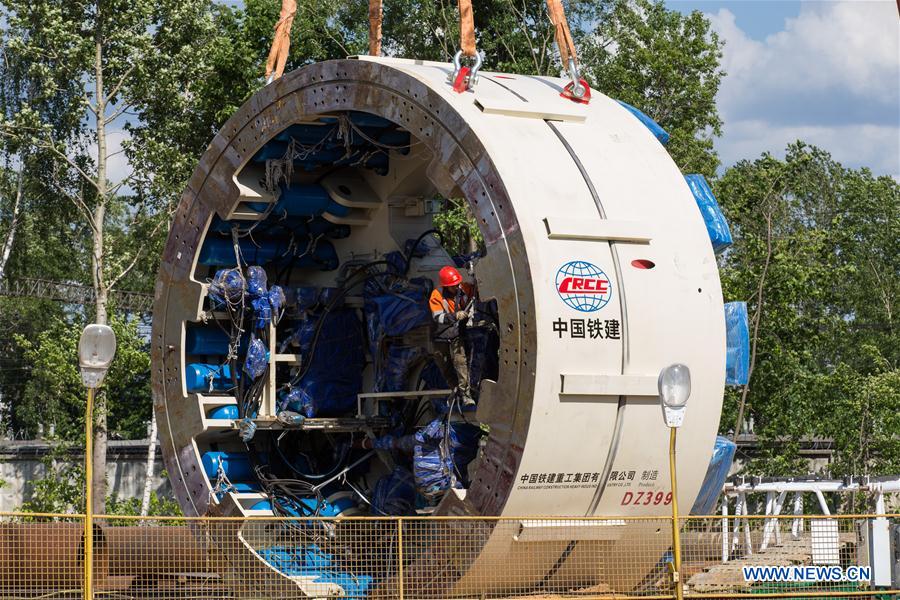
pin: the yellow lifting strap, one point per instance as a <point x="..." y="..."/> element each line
<point x="561" y="30"/>
<point x="281" y="44"/>
<point x="376" y="8"/>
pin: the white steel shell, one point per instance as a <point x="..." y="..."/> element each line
<point x="551" y="181"/>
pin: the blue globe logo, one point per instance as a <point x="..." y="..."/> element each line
<point x="583" y="286"/>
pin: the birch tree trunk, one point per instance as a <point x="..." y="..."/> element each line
<point x="101" y="290"/>
<point x="151" y="463"/>
<point x="14" y="223"/>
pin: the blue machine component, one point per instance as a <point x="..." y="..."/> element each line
<point x="657" y="131"/>
<point x="716" y="225"/>
<point x="208" y="340"/>
<point x="197" y="378"/>
<point x="235" y="465"/>
<point x="719" y="465"/>
<point x="395" y="494"/>
<point x="311" y="561"/>
<point x="229" y="412"/>
<point x="737" y="344"/>
<point x="305" y="134"/>
<point x="302" y="201"/>
<point x="257" y="358"/>
<point x="219" y="251"/>
<point x="397" y="140"/>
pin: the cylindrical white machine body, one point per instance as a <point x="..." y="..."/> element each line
<point x="597" y="256"/>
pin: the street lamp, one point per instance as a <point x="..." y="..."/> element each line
<point x="674" y="390"/>
<point x="96" y="350"/>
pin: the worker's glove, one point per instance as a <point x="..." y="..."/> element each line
<point x="246" y="429"/>
<point x="461" y="315"/>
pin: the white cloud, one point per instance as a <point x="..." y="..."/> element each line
<point x="831" y="77"/>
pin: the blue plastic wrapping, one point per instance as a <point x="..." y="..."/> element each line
<point x="201" y="377"/>
<point x="395" y="366"/>
<point x="737" y="344"/>
<point x="299" y="401"/>
<point x="657" y="131"/>
<point x="437" y="469"/>
<point x="262" y="311"/>
<point x="719" y="465"/>
<point x="257" y="358"/>
<point x="433" y="379"/>
<point x="395" y="494"/>
<point x="716" y="225"/>
<point x="228" y="284"/>
<point x="277" y="300"/>
<point x="304" y="298"/>
<point x="334" y="374"/>
<point x="257" y="282"/>
<point x="397" y="313"/>
<point x="396" y="262"/>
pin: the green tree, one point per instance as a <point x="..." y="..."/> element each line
<point x="816" y="256"/>
<point x="94" y="64"/>
<point x="54" y="395"/>
<point x="666" y="64"/>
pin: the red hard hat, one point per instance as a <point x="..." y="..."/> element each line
<point x="449" y="276"/>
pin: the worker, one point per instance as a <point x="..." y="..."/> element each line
<point x="450" y="306"/>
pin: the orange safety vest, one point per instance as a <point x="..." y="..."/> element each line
<point x="439" y="304"/>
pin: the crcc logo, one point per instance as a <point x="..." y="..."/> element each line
<point x="583" y="286"/>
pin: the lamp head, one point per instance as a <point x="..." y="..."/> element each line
<point x="96" y="350"/>
<point x="674" y="390"/>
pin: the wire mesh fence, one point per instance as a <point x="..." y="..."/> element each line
<point x="41" y="556"/>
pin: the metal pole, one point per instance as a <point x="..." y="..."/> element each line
<point x="400" y="558"/>
<point x="89" y="497"/>
<point x="676" y="539"/>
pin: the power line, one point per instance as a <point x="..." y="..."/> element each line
<point x="73" y="293"/>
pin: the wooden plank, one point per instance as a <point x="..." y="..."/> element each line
<point x="563" y="110"/>
<point x="562" y="228"/>
<point x="577" y="384"/>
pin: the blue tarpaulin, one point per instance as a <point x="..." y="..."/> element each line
<point x="737" y="344"/>
<point x="392" y="311"/>
<point x="716" y="225"/>
<point x="657" y="131"/>
<point x="334" y="376"/>
<point x="719" y="465"/>
<point x="395" y="494"/>
<point x="440" y="456"/>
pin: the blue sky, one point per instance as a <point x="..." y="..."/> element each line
<point x="824" y="72"/>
